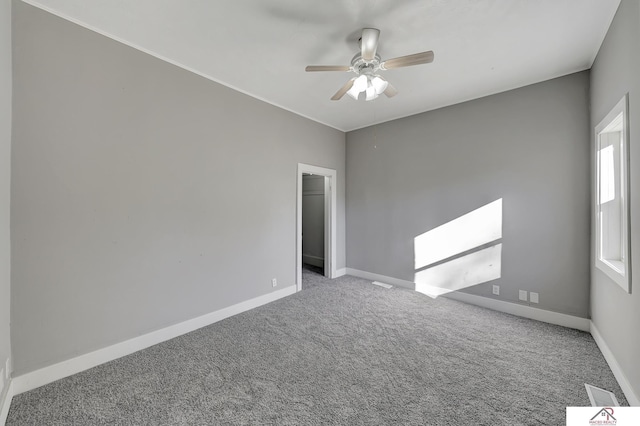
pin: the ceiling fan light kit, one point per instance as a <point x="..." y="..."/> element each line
<point x="366" y="65"/>
<point x="371" y="85"/>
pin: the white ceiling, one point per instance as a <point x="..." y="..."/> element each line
<point x="261" y="47"/>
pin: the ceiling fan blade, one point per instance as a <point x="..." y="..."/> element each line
<point x="405" y="61"/>
<point x="390" y="91"/>
<point x="369" y="43"/>
<point x="327" y="68"/>
<point x="344" y="89"/>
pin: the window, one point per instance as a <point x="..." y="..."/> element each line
<point x="612" y="196"/>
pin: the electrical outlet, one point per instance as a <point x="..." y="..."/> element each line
<point x="274" y="282"/>
<point x="496" y="290"/>
<point x="523" y="295"/>
<point x="533" y="297"/>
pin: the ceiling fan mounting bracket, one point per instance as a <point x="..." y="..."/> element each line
<point x="361" y="66"/>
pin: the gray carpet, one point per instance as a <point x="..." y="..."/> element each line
<point x="339" y="352"/>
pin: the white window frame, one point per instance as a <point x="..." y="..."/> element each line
<point x="618" y="269"/>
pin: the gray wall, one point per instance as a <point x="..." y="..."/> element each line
<point x="138" y="192"/>
<point x="528" y="146"/>
<point x="5" y="178"/>
<point x="615" y="72"/>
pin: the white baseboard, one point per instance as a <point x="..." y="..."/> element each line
<point x="523" y="311"/>
<point x="624" y="383"/>
<point x="5" y="403"/>
<point x="382" y="278"/>
<point x="497" y="305"/>
<point x="43" y="376"/>
<point x="341" y="272"/>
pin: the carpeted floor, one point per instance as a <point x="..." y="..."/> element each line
<point x="339" y="352"/>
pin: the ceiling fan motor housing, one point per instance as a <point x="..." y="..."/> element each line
<point x="361" y="66"/>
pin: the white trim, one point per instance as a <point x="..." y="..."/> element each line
<point x="523" y="311"/>
<point x="620" y="275"/>
<point x="624" y="383"/>
<point x="178" y="64"/>
<point x="327" y="225"/>
<point x="341" y="272"/>
<point x="5" y="403"/>
<point x="43" y="376"/>
<point x="497" y="305"/>
<point x="377" y="277"/>
<point x="330" y="219"/>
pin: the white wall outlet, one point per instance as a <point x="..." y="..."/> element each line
<point x="274" y="282"/>
<point x="533" y="297"/>
<point x="496" y="290"/>
<point x="523" y="295"/>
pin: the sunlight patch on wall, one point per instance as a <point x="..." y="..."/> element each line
<point x="462" y="272"/>
<point x="461" y="253"/>
<point x="474" y="229"/>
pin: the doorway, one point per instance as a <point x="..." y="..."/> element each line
<point x="313" y="213"/>
<point x="316" y="191"/>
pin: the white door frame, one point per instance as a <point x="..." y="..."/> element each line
<point x="330" y="221"/>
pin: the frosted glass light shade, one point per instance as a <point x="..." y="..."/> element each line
<point x="359" y="85"/>
<point x="371" y="85"/>
<point x="371" y="93"/>
<point x="379" y="84"/>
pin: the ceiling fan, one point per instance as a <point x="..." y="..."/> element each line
<point x="367" y="64"/>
